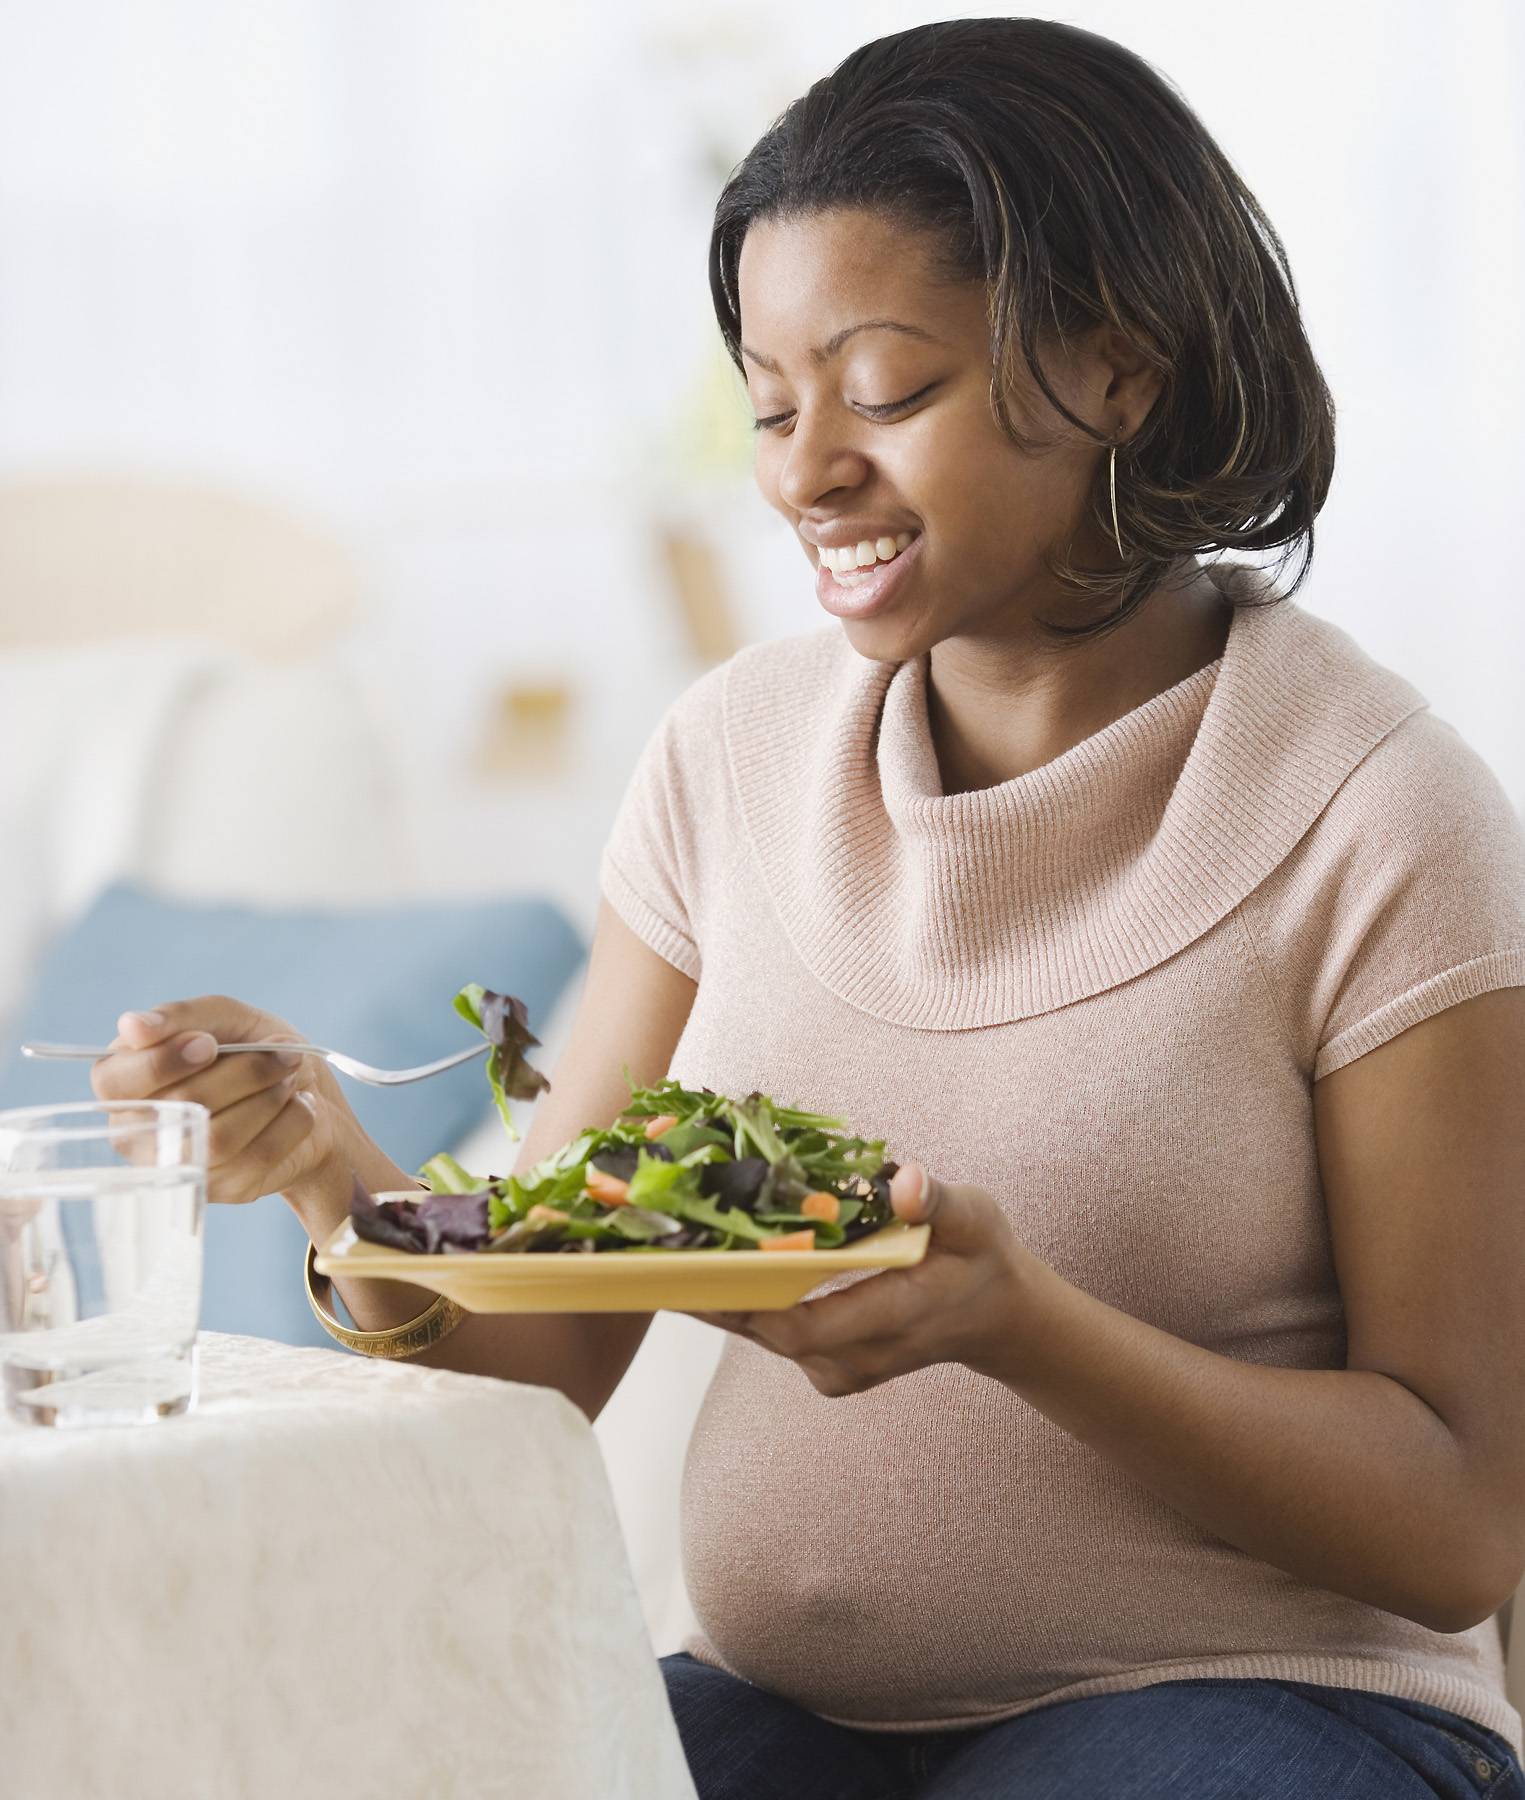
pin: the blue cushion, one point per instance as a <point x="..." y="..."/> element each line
<point x="376" y="982"/>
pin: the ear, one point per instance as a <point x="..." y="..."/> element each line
<point x="1123" y="381"/>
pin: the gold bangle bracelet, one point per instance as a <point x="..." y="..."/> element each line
<point x="437" y="1320"/>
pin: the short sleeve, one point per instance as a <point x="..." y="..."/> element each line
<point x="1407" y="896"/>
<point x="650" y="871"/>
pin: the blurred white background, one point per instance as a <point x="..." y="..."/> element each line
<point x="431" y="277"/>
<point x="401" y="307"/>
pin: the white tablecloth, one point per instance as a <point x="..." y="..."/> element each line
<point x="335" y="1577"/>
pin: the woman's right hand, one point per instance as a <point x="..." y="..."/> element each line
<point x="278" y="1121"/>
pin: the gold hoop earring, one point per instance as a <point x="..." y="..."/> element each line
<point x="1112" y="487"/>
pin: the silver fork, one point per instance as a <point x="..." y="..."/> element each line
<point x="346" y="1065"/>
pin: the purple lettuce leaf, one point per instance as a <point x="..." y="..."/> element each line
<point x="431" y="1223"/>
<point x="620" y="1160"/>
<point x="734" y="1183"/>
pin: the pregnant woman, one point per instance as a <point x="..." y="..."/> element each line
<point x="1172" y="943"/>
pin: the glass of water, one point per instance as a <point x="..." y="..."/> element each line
<point x="101" y="1208"/>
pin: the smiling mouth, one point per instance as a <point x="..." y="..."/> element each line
<point x="853" y="564"/>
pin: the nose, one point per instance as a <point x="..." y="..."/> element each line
<point x="821" y="458"/>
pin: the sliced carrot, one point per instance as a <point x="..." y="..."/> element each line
<point x="663" y="1122"/>
<point x="791" y="1240"/>
<point x="546" y="1215"/>
<point x="821" y="1205"/>
<point x="608" y="1188"/>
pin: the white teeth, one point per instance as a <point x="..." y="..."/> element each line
<point x="844" y="559"/>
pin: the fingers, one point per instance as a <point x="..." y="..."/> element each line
<point x="230" y="1021"/>
<point x="234" y="1128"/>
<point x="267" y="1163"/>
<point x="863" y="1363"/>
<point x="138" y="1030"/>
<point x="259" y="1121"/>
<point x="834" y="1380"/>
<point x="215" y="1016"/>
<point x="879" y="1307"/>
<point x="736" y="1322"/>
<point x="966" y="1222"/>
<point x="242" y="1093"/>
<point x="129" y="1074"/>
<point x="839" y="1357"/>
<point x="230" y="1079"/>
<point x="913" y="1194"/>
<point x="949" y="1307"/>
<point x="153" y="1072"/>
<point x="187" y="1067"/>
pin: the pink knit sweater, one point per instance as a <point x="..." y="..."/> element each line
<point x="1102" y="991"/>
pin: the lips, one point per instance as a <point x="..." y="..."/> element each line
<point x="870" y="590"/>
<point x="842" y="533"/>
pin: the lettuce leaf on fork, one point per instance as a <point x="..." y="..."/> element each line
<point x="503" y="1020"/>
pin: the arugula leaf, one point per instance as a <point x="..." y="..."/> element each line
<point x="754" y="1119"/>
<point x="535" y="1234"/>
<point x="642" y="1224"/>
<point x="512" y="1197"/>
<point x="661" y="1184"/>
<point x="688" y="1135"/>
<point x="668" y="1096"/>
<point x="570" y="1155"/>
<point x="734" y="1224"/>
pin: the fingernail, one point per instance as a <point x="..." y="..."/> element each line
<point x="289" y="1057"/>
<point x="198" y="1049"/>
<point x="152" y="1019"/>
<point x="908" y="1186"/>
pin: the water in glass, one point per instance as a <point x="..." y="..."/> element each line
<point x="100" y="1261"/>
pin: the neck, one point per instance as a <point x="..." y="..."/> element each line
<point x="1000" y="707"/>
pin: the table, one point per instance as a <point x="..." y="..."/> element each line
<point x="335" y="1576"/>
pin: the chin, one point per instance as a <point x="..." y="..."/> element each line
<point x="888" y="639"/>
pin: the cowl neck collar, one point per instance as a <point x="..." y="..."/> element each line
<point x="948" y="912"/>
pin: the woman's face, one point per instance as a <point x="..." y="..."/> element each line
<point x="872" y="380"/>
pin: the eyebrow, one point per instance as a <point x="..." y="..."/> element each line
<point x="824" y="352"/>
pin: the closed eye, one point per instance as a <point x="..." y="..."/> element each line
<point x="887" y="411"/>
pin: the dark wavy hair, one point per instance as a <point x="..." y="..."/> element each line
<point x="1069" y="177"/>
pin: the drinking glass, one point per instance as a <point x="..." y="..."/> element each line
<point x="101" y="1208"/>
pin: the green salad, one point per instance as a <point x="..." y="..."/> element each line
<point x="680" y="1169"/>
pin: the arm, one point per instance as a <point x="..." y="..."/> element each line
<point x="1398" y="1480"/>
<point x="632" y="1010"/>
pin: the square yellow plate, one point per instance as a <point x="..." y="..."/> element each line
<point x="617" y="1280"/>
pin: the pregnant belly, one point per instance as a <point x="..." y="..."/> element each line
<point x="936" y="1550"/>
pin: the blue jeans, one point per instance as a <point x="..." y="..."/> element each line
<point x="1178" y="1740"/>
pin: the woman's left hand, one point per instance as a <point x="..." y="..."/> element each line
<point x="964" y="1302"/>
